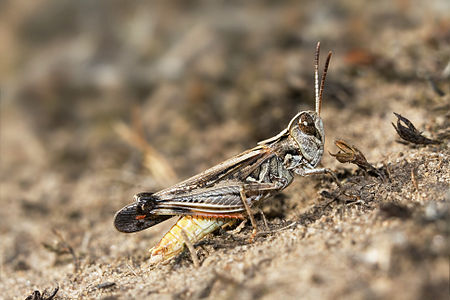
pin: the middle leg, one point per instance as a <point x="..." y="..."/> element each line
<point x="249" y="212"/>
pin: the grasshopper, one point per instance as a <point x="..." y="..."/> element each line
<point x="228" y="191"/>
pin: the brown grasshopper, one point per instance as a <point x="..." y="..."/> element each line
<point x="228" y="190"/>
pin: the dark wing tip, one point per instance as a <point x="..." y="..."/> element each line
<point x="128" y="220"/>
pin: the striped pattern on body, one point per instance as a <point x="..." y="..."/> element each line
<point x="196" y="228"/>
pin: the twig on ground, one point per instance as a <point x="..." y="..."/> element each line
<point x="414" y="179"/>
<point x="61" y="248"/>
<point x="261" y="233"/>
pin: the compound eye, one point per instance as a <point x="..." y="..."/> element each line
<point x="306" y="124"/>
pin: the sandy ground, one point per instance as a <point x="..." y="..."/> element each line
<point x="101" y="101"/>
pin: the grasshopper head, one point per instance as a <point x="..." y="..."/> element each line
<point x="306" y="129"/>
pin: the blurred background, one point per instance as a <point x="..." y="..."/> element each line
<point x="104" y="99"/>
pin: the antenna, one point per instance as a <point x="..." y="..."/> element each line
<point x="322" y="83"/>
<point x="316" y="79"/>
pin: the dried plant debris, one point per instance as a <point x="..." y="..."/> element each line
<point x="409" y="133"/>
<point x="36" y="295"/>
<point x="61" y="247"/>
<point x="106" y="285"/>
<point x="351" y="154"/>
<point x="158" y="166"/>
<point x="434" y="86"/>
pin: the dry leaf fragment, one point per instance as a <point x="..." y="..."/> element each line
<point x="409" y="133"/>
<point x="351" y="154"/>
<point x="36" y="295"/>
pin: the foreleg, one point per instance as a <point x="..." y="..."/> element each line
<point x="318" y="171"/>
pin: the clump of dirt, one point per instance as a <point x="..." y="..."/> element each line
<point x="106" y="99"/>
